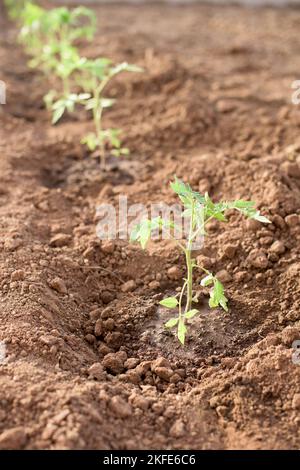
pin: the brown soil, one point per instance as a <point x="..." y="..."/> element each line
<point x="90" y="366"/>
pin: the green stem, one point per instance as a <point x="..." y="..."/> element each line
<point x="66" y="86"/>
<point x="180" y="300"/>
<point x="189" y="263"/>
<point x="188" y="257"/>
<point x="97" y="115"/>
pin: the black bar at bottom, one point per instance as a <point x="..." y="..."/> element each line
<point x="138" y="459"/>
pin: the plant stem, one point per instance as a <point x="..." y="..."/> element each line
<point x="97" y="115"/>
<point x="188" y="257"/>
<point x="66" y="86"/>
<point x="189" y="263"/>
<point x="180" y="299"/>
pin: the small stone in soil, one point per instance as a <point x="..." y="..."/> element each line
<point x="120" y="407"/>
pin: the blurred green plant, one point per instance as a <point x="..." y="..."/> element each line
<point x="93" y="76"/>
<point x="15" y="7"/>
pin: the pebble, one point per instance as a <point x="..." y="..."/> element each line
<point x="175" y="378"/>
<point x="240" y="276"/>
<point x="229" y="251"/>
<point x="128" y="286"/>
<point x="214" y="401"/>
<point x="58" y="284"/>
<point x="104" y="349"/>
<point x="140" y="402"/>
<point x="223" y="276"/>
<point x="106" y="297"/>
<point x="291" y="168"/>
<point x="11" y="244"/>
<point x="292" y="220"/>
<point x="112" y="362"/>
<point x="253" y="225"/>
<point x="114" y="339"/>
<point x="95" y="314"/>
<point x="131" y="363"/>
<point x="278" y="221"/>
<point x="289" y="335"/>
<point x="205" y="261"/>
<point x="120" y="407"/>
<point x="13" y="439"/>
<point x="153" y="285"/>
<point x="258" y="259"/>
<point x="18" y="275"/>
<point x="143" y="367"/>
<point x="174" y="273"/>
<point x="99" y="330"/>
<point x="96" y="371"/>
<point x="160" y="362"/>
<point x="59" y="240"/>
<point x="277" y="247"/>
<point x="177" y="429"/>
<point x="296" y="401"/>
<point x="49" y="340"/>
<point x="109" y="324"/>
<point x="164" y="373"/>
<point x="108" y="246"/>
<point x="132" y="376"/>
<point x="91" y="339"/>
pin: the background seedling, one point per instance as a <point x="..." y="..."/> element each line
<point x="93" y="77"/>
<point x="199" y="209"/>
<point x="15" y="7"/>
<point x="49" y="37"/>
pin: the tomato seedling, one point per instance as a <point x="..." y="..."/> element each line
<point x="199" y="210"/>
<point x="49" y="37"/>
<point x="94" y="76"/>
<point x="15" y="7"/>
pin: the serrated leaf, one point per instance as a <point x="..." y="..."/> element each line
<point x="191" y="313"/>
<point x="169" y="302"/>
<point x="171" y="323"/>
<point x="217" y="296"/>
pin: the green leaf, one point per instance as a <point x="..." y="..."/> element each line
<point x="191" y="313"/>
<point x="142" y="231"/>
<point x="107" y="102"/>
<point x="171" y="323"/>
<point x="217" y="296"/>
<point x="57" y="114"/>
<point x="262" y="218"/>
<point x="182" y="330"/>
<point x="207" y="280"/>
<point x="169" y="302"/>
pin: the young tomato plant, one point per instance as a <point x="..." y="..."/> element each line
<point x="199" y="209"/>
<point x="15" y="7"/>
<point x="34" y="29"/>
<point x="44" y="31"/>
<point x="49" y="37"/>
<point x="93" y="77"/>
